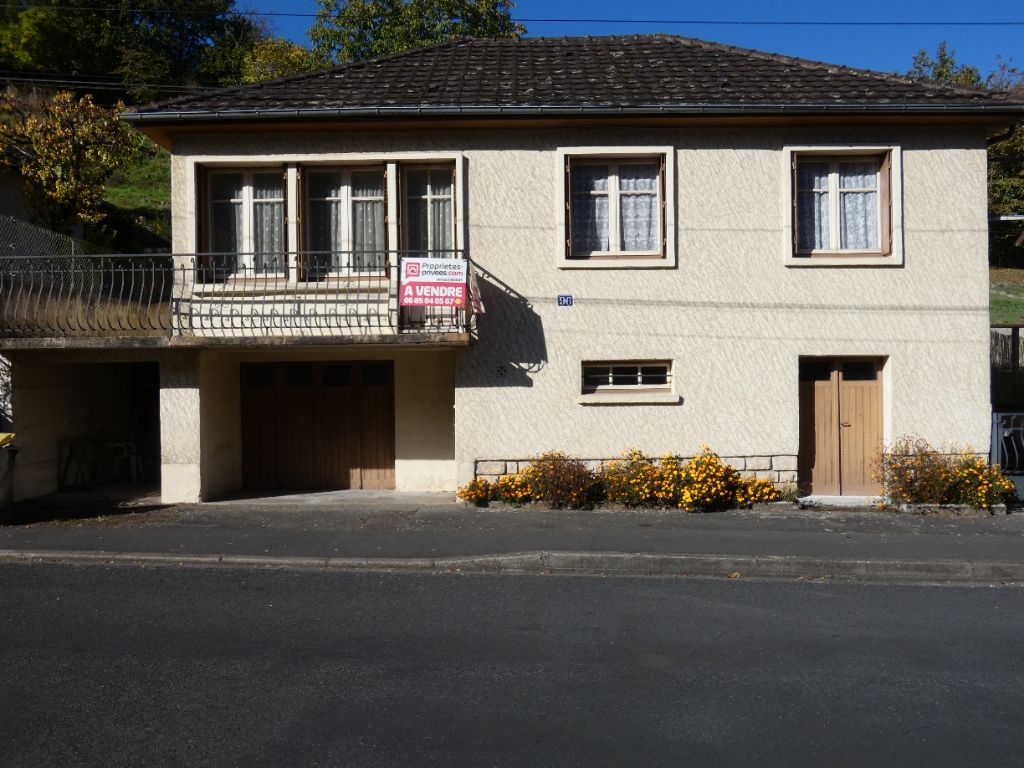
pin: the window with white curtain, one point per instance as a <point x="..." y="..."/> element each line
<point x="841" y="205"/>
<point x="247" y="220"/>
<point x="345" y="220"/>
<point x="429" y="210"/>
<point x="615" y="208"/>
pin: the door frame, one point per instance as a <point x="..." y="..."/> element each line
<point x="805" y="482"/>
<point x="271" y="472"/>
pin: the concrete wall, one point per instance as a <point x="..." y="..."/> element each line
<point x="425" y="421"/>
<point x="732" y="317"/>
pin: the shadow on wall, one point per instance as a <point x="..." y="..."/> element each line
<point x="6" y="415"/>
<point x="510" y="346"/>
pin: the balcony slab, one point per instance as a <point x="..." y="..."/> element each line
<point x="425" y="339"/>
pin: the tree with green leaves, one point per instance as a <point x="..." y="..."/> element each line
<point x="1006" y="152"/>
<point x="152" y="47"/>
<point x="944" y="68"/>
<point x="66" y="148"/>
<point x="350" y="30"/>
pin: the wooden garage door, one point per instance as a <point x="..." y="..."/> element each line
<point x="840" y="425"/>
<point x="318" y="426"/>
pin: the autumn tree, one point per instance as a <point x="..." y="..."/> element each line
<point x="66" y="148"/>
<point x="349" y="30"/>
<point x="274" y="57"/>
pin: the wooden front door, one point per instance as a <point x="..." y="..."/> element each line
<point x="840" y="425"/>
<point x="318" y="426"/>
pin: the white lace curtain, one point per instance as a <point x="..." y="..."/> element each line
<point x="856" y="185"/>
<point x="597" y="190"/>
<point x="429" y="210"/>
<point x="268" y="237"/>
<point x="638" y="207"/>
<point x="326" y="220"/>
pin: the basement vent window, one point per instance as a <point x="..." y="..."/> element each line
<point x="627" y="381"/>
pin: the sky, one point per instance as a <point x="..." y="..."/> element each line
<point x="884" y="48"/>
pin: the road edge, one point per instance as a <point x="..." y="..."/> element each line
<point x="792" y="567"/>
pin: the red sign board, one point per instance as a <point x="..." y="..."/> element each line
<point x="433" y="283"/>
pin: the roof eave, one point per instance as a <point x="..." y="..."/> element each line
<point x="752" y="110"/>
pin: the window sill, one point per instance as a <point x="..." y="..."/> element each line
<point x="629" y="398"/>
<point x="636" y="262"/>
<point x="858" y="260"/>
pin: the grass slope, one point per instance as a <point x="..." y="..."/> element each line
<point x="139" y="204"/>
<point x="1006" y="295"/>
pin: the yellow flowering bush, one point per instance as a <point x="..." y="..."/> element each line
<point x="911" y="471"/>
<point x="756" y="491"/>
<point x="704" y="482"/>
<point x="708" y="482"/>
<point x="633" y="481"/>
<point x="476" y="492"/>
<point x="979" y="483"/>
<point x="515" y="489"/>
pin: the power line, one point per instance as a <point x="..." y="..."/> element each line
<point x="538" y="20"/>
<point x="28" y="79"/>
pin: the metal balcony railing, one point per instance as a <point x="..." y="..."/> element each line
<point x="231" y="295"/>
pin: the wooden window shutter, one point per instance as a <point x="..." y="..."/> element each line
<point x="664" y="219"/>
<point x="387" y="230"/>
<point x="302" y="247"/>
<point x="403" y="239"/>
<point x="202" y="258"/>
<point x="568" y="208"/>
<point x="795" y="230"/>
<point x="885" y="204"/>
<point x="283" y="256"/>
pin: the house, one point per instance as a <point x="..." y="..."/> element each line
<point x="654" y="242"/>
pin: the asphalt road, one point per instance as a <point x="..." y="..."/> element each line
<point x="131" y="666"/>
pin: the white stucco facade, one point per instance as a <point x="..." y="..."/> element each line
<point x="727" y="307"/>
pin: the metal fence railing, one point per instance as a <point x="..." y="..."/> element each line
<point x="214" y="295"/>
<point x="1008" y="442"/>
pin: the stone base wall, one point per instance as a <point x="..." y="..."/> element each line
<point x="779" y="468"/>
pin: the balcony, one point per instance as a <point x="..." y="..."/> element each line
<point x="218" y="299"/>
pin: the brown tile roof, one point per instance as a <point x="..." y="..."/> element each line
<point x="617" y="74"/>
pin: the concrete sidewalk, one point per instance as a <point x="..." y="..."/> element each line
<point x="424" y="532"/>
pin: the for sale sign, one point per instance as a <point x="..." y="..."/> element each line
<point x="433" y="283"/>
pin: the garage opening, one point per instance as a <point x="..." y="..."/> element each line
<point x="318" y="426"/>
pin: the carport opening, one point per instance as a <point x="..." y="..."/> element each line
<point x="111" y="444"/>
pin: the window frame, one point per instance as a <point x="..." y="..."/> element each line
<point x="194" y="238"/>
<point x="403" y="203"/>
<point x="661" y="258"/>
<point x="622" y="394"/>
<point x="245" y="262"/>
<point x="889" y="204"/>
<point x="347" y="199"/>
